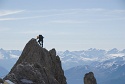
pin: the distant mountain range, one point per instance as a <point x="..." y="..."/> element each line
<point x="107" y="72"/>
<point x="89" y="57"/>
<point x="3" y="72"/>
<point x="7" y="59"/>
<point x="108" y="66"/>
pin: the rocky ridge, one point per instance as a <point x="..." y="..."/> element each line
<point x="36" y="65"/>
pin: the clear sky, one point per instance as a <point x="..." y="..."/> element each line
<point x="65" y="24"/>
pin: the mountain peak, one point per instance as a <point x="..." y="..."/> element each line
<point x="36" y="65"/>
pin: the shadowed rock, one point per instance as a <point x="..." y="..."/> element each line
<point x="37" y="65"/>
<point x="1" y="80"/>
<point x="89" y="78"/>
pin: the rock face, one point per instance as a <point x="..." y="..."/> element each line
<point x="89" y="78"/>
<point x="36" y="65"/>
<point x="1" y="80"/>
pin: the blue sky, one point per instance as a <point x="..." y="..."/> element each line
<point x="65" y="24"/>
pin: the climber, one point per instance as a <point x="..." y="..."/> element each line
<point x="40" y="37"/>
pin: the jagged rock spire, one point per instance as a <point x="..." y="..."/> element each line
<point x="36" y="65"/>
<point x="89" y="78"/>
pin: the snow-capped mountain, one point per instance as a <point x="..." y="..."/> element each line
<point x="105" y="73"/>
<point x="8" y="58"/>
<point x="75" y="58"/>
<point x="8" y="54"/>
<point x="108" y="66"/>
<point x="69" y="59"/>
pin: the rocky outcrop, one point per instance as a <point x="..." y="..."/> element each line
<point x="37" y="65"/>
<point x="8" y="82"/>
<point x="1" y="80"/>
<point x="89" y="78"/>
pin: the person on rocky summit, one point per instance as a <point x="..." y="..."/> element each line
<point x="40" y="37"/>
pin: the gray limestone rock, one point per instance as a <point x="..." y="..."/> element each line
<point x="36" y="65"/>
<point x="89" y="78"/>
